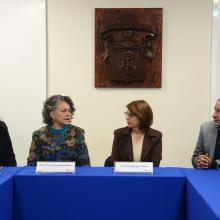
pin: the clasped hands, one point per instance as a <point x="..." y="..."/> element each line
<point x="204" y="161"/>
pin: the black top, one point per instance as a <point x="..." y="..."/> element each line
<point x="217" y="147"/>
<point x="7" y="156"/>
<point x="217" y="150"/>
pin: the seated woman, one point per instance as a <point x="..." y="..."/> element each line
<point x="138" y="141"/>
<point x="7" y="156"/>
<point x="59" y="140"/>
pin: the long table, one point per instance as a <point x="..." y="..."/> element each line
<point x="98" y="193"/>
<point x="6" y="192"/>
<point x="203" y="194"/>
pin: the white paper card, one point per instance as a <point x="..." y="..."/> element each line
<point x="133" y="167"/>
<point x="55" y="167"/>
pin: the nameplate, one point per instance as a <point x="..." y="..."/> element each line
<point x="134" y="167"/>
<point x="55" y="167"/>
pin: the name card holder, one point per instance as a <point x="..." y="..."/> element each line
<point x="55" y="167"/>
<point x="133" y="167"/>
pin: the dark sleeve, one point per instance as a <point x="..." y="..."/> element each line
<point x="82" y="150"/>
<point x="115" y="148"/>
<point x="8" y="157"/>
<point x="156" y="151"/>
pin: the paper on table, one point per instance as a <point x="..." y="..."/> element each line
<point x="55" y="167"/>
<point x="133" y="167"/>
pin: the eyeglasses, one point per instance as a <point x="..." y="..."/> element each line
<point x="129" y="115"/>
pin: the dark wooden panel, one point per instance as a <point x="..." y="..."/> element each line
<point x="128" y="47"/>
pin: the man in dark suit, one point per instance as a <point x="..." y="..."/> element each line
<point x="7" y="156"/>
<point x="207" y="152"/>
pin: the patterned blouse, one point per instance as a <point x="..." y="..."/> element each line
<point x="68" y="144"/>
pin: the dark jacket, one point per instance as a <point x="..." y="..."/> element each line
<point x="152" y="146"/>
<point x="7" y="156"/>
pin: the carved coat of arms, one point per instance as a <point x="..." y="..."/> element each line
<point x="128" y="48"/>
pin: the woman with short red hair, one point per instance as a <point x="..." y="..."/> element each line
<point x="138" y="141"/>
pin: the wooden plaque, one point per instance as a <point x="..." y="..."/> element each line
<point x="128" y="47"/>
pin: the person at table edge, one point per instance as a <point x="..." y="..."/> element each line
<point x="7" y="156"/>
<point x="207" y="152"/>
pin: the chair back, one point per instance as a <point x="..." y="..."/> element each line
<point x="109" y="162"/>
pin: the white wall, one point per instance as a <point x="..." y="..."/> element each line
<point x="22" y="70"/>
<point x="180" y="106"/>
<point x="215" y="76"/>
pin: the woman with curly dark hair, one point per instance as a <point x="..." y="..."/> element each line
<point x="59" y="140"/>
<point x="7" y="156"/>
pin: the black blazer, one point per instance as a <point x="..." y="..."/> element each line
<point x="7" y="156"/>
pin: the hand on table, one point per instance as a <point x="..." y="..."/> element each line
<point x="204" y="161"/>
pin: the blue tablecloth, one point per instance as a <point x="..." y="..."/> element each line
<point x="203" y="194"/>
<point x="98" y="193"/>
<point x="6" y="192"/>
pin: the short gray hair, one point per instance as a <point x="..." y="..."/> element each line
<point x="51" y="104"/>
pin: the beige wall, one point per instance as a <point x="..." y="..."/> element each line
<point x="22" y="70"/>
<point x="179" y="106"/>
